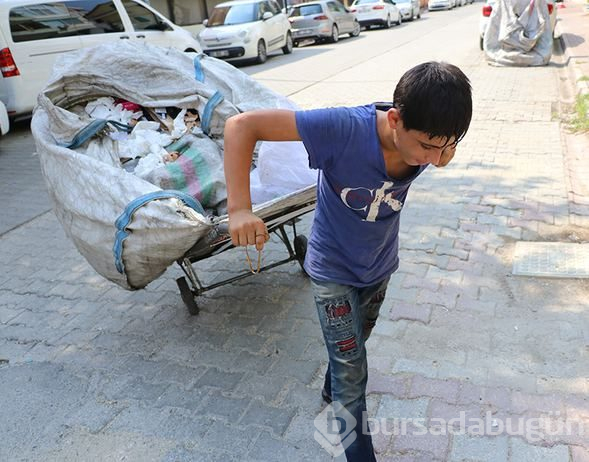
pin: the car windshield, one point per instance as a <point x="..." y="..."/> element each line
<point x="306" y="10"/>
<point x="234" y="14"/>
<point x="364" y="2"/>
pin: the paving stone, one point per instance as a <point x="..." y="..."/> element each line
<point x="227" y="407"/>
<point x="391" y="408"/>
<point x="442" y="413"/>
<point x="410" y="312"/>
<point x="303" y="371"/>
<point x="181" y="374"/>
<point x="179" y="425"/>
<point x="423" y="368"/>
<point x="175" y="396"/>
<point x="259" y="414"/>
<point x="267" y="447"/>
<point x="480" y="449"/>
<point x="182" y="454"/>
<point x="521" y="451"/>
<point x="229" y="438"/>
<point x="579" y="454"/>
<point x="444" y="389"/>
<point x="226" y="381"/>
<point x="94" y="415"/>
<point x="134" y="388"/>
<point x="302" y="396"/>
<point x="418" y="438"/>
<point x="382" y="383"/>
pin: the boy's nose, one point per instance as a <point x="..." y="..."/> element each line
<point x="435" y="156"/>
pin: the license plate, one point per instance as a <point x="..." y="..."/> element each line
<point x="364" y="9"/>
<point x="298" y="33"/>
<point x="219" y="54"/>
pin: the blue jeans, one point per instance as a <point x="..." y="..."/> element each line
<point x="347" y="315"/>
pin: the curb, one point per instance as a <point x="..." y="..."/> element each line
<point x="578" y="73"/>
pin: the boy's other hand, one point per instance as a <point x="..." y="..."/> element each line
<point x="246" y="228"/>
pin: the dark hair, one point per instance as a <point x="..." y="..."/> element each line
<point x="435" y="98"/>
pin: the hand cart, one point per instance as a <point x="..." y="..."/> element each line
<point x="277" y="215"/>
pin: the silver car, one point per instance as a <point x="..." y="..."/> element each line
<point x="324" y="20"/>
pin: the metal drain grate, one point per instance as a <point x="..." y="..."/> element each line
<point x="551" y="259"/>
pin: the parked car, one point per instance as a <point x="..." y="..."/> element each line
<point x="441" y="5"/>
<point x="409" y="9"/>
<point x="488" y="9"/>
<point x="376" y="12"/>
<point x="34" y="34"/>
<point x="4" y="122"/>
<point x="324" y="20"/>
<point x="246" y="29"/>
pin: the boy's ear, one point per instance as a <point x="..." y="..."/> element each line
<point x="393" y="117"/>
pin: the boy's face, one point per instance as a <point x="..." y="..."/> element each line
<point x="417" y="148"/>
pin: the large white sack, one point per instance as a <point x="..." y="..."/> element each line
<point x="90" y="194"/>
<point x="519" y="33"/>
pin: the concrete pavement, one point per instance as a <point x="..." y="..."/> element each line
<point x="91" y="372"/>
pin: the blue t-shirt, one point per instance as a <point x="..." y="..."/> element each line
<point x="355" y="235"/>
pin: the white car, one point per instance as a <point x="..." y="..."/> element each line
<point x="409" y="9"/>
<point x="488" y="9"/>
<point x="441" y="4"/>
<point x="34" y="34"/>
<point x="376" y="12"/>
<point x="246" y="29"/>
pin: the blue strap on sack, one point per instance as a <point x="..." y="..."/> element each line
<point x="198" y="71"/>
<point x="91" y="130"/>
<point x="207" y="113"/>
<point x="126" y="217"/>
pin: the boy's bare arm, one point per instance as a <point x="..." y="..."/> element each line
<point x="241" y="134"/>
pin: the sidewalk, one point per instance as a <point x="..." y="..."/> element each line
<point x="91" y="372"/>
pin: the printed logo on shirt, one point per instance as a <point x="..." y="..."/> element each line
<point x="370" y="200"/>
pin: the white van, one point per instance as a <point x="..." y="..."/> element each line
<point x="34" y="34"/>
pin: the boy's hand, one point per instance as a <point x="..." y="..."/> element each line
<point x="447" y="156"/>
<point x="246" y="228"/>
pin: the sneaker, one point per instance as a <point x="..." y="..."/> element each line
<point x="326" y="397"/>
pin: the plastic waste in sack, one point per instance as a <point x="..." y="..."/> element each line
<point x="105" y="108"/>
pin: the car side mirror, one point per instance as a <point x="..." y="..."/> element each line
<point x="205" y="22"/>
<point x="266" y="15"/>
<point x="161" y="26"/>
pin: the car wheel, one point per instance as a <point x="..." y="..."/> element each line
<point x="481" y="45"/>
<point x="262" y="53"/>
<point x="287" y="48"/>
<point x="412" y="16"/>
<point x="400" y="20"/>
<point x="387" y="24"/>
<point x="419" y="14"/>
<point x="295" y="43"/>
<point x="334" y="34"/>
<point x="356" y="30"/>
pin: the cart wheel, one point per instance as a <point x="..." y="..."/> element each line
<point x="187" y="296"/>
<point x="300" y="248"/>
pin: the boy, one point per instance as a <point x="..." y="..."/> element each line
<point x="367" y="160"/>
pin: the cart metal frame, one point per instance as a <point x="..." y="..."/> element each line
<point x="218" y="241"/>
